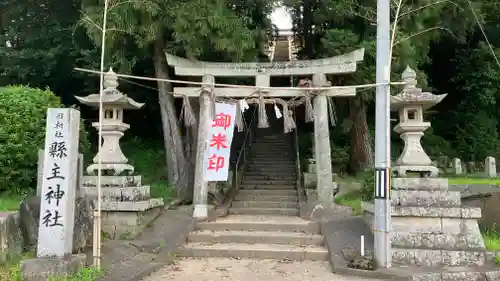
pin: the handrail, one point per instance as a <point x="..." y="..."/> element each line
<point x="246" y="142"/>
<point x="297" y="155"/>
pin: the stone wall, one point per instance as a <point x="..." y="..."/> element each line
<point x="11" y="241"/>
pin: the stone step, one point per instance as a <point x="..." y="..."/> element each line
<point x="249" y="186"/>
<point x="265" y="211"/>
<point x="270" y="154"/>
<point x="269" y="150"/>
<point x="270" y="177"/>
<point x="275" y="174"/>
<point x="267" y="198"/>
<point x="419" y="183"/>
<point x="272" y="150"/>
<point x="256" y="237"/>
<point x="271" y="162"/>
<point x="261" y="223"/>
<point x="264" y="204"/>
<point x="254" y="251"/>
<point x="267" y="192"/>
<point x="264" y="182"/>
<point x="272" y="170"/>
<point x="481" y="273"/>
<point x="426" y="198"/>
<point x="265" y="164"/>
<point x="265" y="147"/>
<point x="436" y="212"/>
<point x="434" y="258"/>
<point x="441" y="241"/>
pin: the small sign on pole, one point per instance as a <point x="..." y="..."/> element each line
<point x="220" y="136"/>
<point x="57" y="208"/>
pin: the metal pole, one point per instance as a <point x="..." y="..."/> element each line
<point x="382" y="243"/>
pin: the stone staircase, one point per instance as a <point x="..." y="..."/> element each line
<point x="269" y="183"/>
<point x="263" y="221"/>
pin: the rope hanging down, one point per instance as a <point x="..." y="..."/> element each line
<point x="263" y="122"/>
<point x="241" y="104"/>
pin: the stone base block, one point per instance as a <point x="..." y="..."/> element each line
<point x="311" y="195"/>
<point x="43" y="269"/>
<point x="119" y="194"/>
<point x="124" y="220"/>
<point x="425" y="198"/>
<point x="425" y="224"/>
<point x="310" y="180"/>
<point x="475" y="274"/>
<point x="401" y="171"/>
<point x="419" y="183"/>
<point x="437" y="241"/>
<point x="311" y="168"/>
<point x="434" y="258"/>
<point x="112" y="181"/>
<point x="440" y="212"/>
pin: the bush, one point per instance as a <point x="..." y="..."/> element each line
<point x="23" y="113"/>
<point x="368" y="185"/>
<point x="339" y="154"/>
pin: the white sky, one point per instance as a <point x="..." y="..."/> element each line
<point x="281" y="18"/>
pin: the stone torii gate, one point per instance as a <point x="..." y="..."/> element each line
<point x="262" y="72"/>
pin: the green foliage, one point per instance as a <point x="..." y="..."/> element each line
<point x="305" y="145"/>
<point x="13" y="273"/>
<point x="339" y="154"/>
<point x="148" y="158"/>
<point x="22" y="119"/>
<point x="351" y="199"/>
<point x="367" y="185"/>
<point x="197" y="28"/>
<point x="86" y="274"/>
<point x="436" y="145"/>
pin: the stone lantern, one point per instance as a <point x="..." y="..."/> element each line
<point x="127" y="206"/>
<point x="114" y="102"/>
<point x="411" y="104"/>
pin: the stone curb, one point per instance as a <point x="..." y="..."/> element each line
<point x="142" y="262"/>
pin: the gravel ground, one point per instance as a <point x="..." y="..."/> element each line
<point x="218" y="269"/>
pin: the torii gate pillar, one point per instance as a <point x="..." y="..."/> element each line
<point x="324" y="182"/>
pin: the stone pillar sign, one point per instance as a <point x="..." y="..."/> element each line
<point x="57" y="209"/>
<point x="411" y="104"/>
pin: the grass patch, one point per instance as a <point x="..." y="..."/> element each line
<point x="9" y="203"/>
<point x="460" y="180"/>
<point x="148" y="159"/>
<point x="12" y="272"/>
<point x="86" y="274"/>
<point x="160" y="189"/>
<point x="351" y="199"/>
<point x="492" y="242"/>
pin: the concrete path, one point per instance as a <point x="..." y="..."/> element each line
<point x="220" y="269"/>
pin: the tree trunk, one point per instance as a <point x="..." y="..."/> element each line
<point x="174" y="156"/>
<point x="360" y="149"/>
<point x="191" y="143"/>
